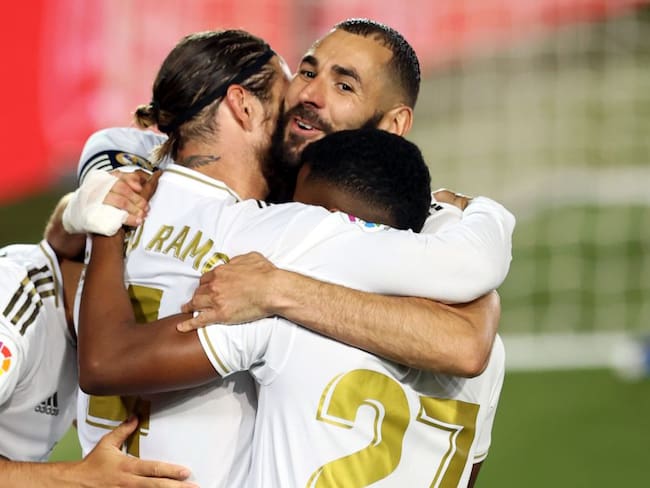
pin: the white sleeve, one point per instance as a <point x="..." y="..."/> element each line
<point x="259" y="347"/>
<point x="12" y="353"/>
<point x="484" y="434"/>
<point x="457" y="264"/>
<point x="440" y="216"/>
<point x="119" y="147"/>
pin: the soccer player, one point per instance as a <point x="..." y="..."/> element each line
<point x="217" y="97"/>
<point x="404" y="426"/>
<point x="38" y="378"/>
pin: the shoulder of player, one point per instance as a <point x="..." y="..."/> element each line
<point x="118" y="147"/>
<point x="24" y="287"/>
<point x="260" y="210"/>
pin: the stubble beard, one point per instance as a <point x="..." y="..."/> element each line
<point x="280" y="174"/>
<point x="283" y="163"/>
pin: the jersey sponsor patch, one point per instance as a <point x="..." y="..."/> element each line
<point x="109" y="160"/>
<point x="366" y="226"/>
<point x="5" y="358"/>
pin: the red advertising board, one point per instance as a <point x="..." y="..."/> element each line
<point x="74" y="66"/>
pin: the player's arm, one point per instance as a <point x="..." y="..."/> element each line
<point x="472" y="479"/>
<point x="120" y="190"/>
<point x="420" y="333"/>
<point x="108" y="150"/>
<point x="64" y="244"/>
<point x="119" y="356"/>
<point x="105" y="467"/>
<point x="464" y="261"/>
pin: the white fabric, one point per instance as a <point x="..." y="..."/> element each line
<point x="294" y="366"/>
<point x="38" y="375"/>
<point x="117" y="147"/>
<point x="86" y="212"/>
<point x="207" y="429"/>
<point x="320" y="400"/>
<point x="458" y="263"/>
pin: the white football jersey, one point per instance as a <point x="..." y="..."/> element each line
<point x="328" y="411"/>
<point x="208" y="429"/>
<point x="333" y="415"/>
<point x="38" y="367"/>
<point x="453" y="262"/>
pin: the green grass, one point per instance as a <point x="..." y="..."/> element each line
<point x="68" y="448"/>
<point x="570" y="429"/>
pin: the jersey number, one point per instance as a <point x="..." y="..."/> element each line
<point x="339" y="404"/>
<point x="107" y="412"/>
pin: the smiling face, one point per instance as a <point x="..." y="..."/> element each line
<point x="342" y="83"/>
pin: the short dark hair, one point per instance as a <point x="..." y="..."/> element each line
<point x="382" y="169"/>
<point x="404" y="66"/>
<point x="193" y="78"/>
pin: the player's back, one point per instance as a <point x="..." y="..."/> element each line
<point x="329" y="412"/>
<point x="38" y="374"/>
<point x="208" y="429"/>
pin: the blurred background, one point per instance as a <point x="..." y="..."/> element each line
<point x="543" y="105"/>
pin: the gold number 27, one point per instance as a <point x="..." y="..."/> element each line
<point x="346" y="393"/>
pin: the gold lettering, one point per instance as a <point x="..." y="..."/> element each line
<point x="163" y="234"/>
<point x="134" y="239"/>
<point x="195" y="251"/>
<point x="213" y="261"/>
<point x="178" y="242"/>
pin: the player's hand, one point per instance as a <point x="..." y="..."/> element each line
<point x="107" y="466"/>
<point x="232" y="293"/>
<point x="127" y="194"/>
<point x="447" y="196"/>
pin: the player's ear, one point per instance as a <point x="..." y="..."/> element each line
<point x="239" y="102"/>
<point x="397" y="120"/>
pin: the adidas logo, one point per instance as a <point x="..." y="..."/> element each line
<point x="49" y="406"/>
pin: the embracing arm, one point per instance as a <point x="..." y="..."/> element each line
<point x="122" y="191"/>
<point x="142" y="358"/>
<point x="105" y="467"/>
<point x="64" y="244"/>
<point x="463" y="262"/>
<point x="413" y="331"/>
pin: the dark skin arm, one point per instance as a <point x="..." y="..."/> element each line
<point x="141" y="358"/>
<point x="472" y="479"/>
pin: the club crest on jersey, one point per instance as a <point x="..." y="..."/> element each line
<point x="128" y="159"/>
<point x="5" y="358"/>
<point x="367" y="226"/>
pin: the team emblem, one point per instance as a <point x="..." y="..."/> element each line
<point x="128" y="159"/>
